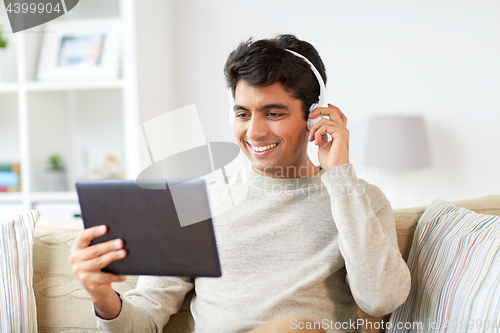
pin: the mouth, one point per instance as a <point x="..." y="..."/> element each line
<point x="263" y="149"/>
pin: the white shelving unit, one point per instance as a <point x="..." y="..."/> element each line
<point x="81" y="120"/>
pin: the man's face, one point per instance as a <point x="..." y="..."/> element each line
<point x="271" y="130"/>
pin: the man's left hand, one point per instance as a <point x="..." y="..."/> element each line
<point x="336" y="151"/>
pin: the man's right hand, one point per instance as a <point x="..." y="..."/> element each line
<point x="87" y="262"/>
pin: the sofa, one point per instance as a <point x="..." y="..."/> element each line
<point x="64" y="306"/>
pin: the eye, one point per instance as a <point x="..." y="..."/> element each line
<point x="242" y="115"/>
<point x="274" y="114"/>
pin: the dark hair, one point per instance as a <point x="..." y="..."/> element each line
<point x="266" y="61"/>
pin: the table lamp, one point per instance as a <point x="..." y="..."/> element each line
<point x="397" y="144"/>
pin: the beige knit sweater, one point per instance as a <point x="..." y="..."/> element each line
<point x="313" y="247"/>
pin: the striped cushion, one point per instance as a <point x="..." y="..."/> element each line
<point x="455" y="268"/>
<point x="17" y="301"/>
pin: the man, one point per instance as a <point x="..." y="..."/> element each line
<point x="307" y="244"/>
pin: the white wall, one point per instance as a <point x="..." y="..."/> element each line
<point x="155" y="58"/>
<point x="439" y="59"/>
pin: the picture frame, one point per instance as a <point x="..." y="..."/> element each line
<point x="81" y="49"/>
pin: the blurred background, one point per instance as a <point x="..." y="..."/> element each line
<point x="436" y="60"/>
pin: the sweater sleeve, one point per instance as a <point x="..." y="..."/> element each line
<point x="148" y="307"/>
<point x="378" y="276"/>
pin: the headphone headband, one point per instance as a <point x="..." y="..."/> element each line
<point x="321" y="97"/>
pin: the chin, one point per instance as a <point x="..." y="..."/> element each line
<point x="266" y="169"/>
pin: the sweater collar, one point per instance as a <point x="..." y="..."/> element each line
<point x="280" y="184"/>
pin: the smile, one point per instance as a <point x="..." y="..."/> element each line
<point x="263" y="148"/>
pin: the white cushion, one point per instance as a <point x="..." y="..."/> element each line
<point x="455" y="268"/>
<point x="17" y="301"/>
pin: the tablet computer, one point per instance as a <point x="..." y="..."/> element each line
<point x="147" y="222"/>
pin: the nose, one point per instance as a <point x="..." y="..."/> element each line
<point x="257" y="127"/>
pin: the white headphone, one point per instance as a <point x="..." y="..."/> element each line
<point x="321" y="97"/>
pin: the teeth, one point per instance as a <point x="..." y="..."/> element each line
<point x="259" y="149"/>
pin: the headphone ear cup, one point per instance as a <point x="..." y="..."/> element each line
<point x="311" y="122"/>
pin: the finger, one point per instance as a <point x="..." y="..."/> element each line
<point x="331" y="128"/>
<point x="315" y="113"/>
<point x="100" y="262"/>
<point x="96" y="250"/>
<point x="323" y="139"/>
<point x="320" y="136"/>
<point x="331" y="112"/>
<point x="323" y="111"/>
<point x="86" y="236"/>
<point x="319" y="124"/>
<point x="342" y="116"/>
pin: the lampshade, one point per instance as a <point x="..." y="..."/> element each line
<point x="397" y="143"/>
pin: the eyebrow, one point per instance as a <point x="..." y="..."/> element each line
<point x="265" y="107"/>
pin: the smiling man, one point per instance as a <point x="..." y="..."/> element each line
<point x="306" y="246"/>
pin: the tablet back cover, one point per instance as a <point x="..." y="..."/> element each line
<point x="147" y="222"/>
